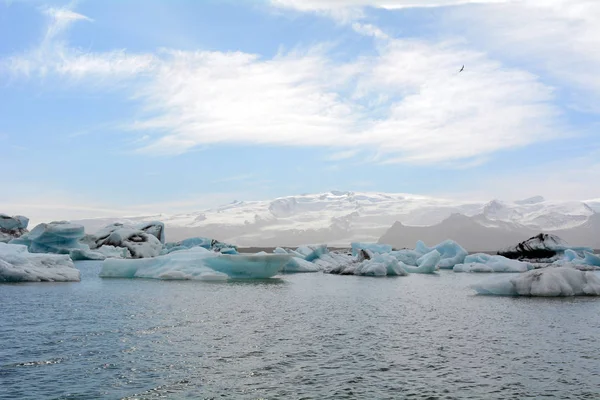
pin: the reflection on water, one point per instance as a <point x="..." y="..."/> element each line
<point x="298" y="336"/>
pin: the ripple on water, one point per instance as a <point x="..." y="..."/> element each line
<point x="302" y="336"/>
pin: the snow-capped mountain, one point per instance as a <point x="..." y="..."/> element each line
<point x="338" y="217"/>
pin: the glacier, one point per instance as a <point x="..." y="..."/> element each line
<point x="545" y="282"/>
<point x="196" y="263"/>
<point x="17" y="264"/>
<point x="481" y="262"/>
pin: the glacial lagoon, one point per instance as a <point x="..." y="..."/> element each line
<point x="295" y="336"/>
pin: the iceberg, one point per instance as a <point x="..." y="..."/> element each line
<point x="543" y="247"/>
<point x="312" y="252"/>
<point x="206" y="243"/>
<point x="98" y="254"/>
<point x="481" y="262"/>
<point x="408" y="257"/>
<point x="196" y="263"/>
<point x="451" y="253"/>
<point x="12" y="227"/>
<point x="56" y="237"/>
<point x="545" y="282"/>
<point x="154" y="228"/>
<point x="296" y="265"/>
<point x="426" y="264"/>
<point x="588" y="258"/>
<point x="136" y="242"/>
<point x="375" y="248"/>
<point x="380" y="265"/>
<point x="19" y="265"/>
<point x="365" y="264"/>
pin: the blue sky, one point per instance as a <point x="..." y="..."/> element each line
<point x="128" y="107"/>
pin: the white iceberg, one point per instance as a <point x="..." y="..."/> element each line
<point x="196" y="263"/>
<point x="154" y="228"/>
<point x="380" y="265"/>
<point x="297" y="265"/>
<point x="481" y="262"/>
<point x="545" y="282"/>
<point x="18" y="265"/>
<point x="138" y="243"/>
<point x="58" y="237"/>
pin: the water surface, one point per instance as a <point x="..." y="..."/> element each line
<point x="300" y="336"/>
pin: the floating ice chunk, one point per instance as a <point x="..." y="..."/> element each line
<point x="279" y="250"/>
<point x="481" y="262"/>
<point x="451" y="254"/>
<point x="196" y="263"/>
<point x="296" y="265"/>
<point x="138" y="243"/>
<point x="99" y="254"/>
<point x="380" y="265"/>
<point x="9" y="223"/>
<point x="312" y="252"/>
<point x="206" y="243"/>
<point x="422" y="248"/>
<point x="407" y="257"/>
<point x="375" y="248"/>
<point x="587" y="259"/>
<point x="83" y="254"/>
<point x="427" y="264"/>
<point x="337" y="263"/>
<point x="55" y="237"/>
<point x="154" y="228"/>
<point x="547" y="282"/>
<point x="18" y="265"/>
<point x="12" y="227"/>
<point x="541" y="247"/>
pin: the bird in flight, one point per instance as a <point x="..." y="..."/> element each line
<point x="462" y="69"/>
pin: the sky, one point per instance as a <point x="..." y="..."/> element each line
<point x="112" y="108"/>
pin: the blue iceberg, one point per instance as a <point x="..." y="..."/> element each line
<point x="205" y="243"/>
<point x="55" y="237"/>
<point x="196" y="263"/>
<point x="375" y="248"/>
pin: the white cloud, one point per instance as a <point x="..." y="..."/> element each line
<point x="322" y="5"/>
<point x="557" y="38"/>
<point x="61" y="19"/>
<point x="343" y="155"/>
<point x="407" y="103"/>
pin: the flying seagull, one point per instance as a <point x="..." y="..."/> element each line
<point x="462" y="69"/>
